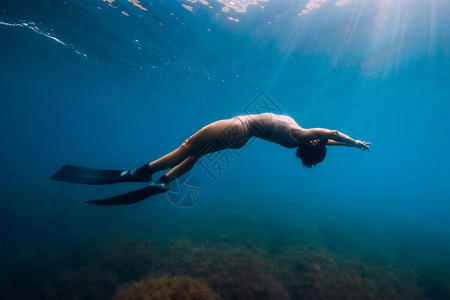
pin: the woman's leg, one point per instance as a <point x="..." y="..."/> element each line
<point x="182" y="168"/>
<point x="221" y="135"/>
<point x="198" y="143"/>
<point x="229" y="133"/>
<point x="173" y="158"/>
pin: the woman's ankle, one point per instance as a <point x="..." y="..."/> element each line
<point x="144" y="172"/>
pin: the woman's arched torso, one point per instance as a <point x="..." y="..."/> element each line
<point x="237" y="131"/>
<point x="271" y="127"/>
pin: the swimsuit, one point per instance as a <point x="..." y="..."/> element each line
<point x="282" y="132"/>
<point x="243" y="139"/>
<point x="270" y="127"/>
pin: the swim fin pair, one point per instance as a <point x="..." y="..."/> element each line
<point x="75" y="174"/>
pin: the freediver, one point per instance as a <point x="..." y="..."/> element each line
<point x="223" y="134"/>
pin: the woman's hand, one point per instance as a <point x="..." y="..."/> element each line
<point x="362" y="145"/>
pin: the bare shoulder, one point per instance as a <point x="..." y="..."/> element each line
<point x="298" y="133"/>
<point x="303" y="134"/>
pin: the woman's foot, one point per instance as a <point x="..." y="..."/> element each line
<point x="162" y="183"/>
<point x="142" y="174"/>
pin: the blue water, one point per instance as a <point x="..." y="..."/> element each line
<point x="112" y="85"/>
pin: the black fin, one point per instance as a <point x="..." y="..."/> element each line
<point x="75" y="174"/>
<point x="129" y="198"/>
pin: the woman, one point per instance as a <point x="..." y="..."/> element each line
<point x="222" y="134"/>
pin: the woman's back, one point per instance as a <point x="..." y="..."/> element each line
<point x="262" y="125"/>
<point x="274" y="128"/>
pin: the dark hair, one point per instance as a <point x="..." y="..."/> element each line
<point x="312" y="155"/>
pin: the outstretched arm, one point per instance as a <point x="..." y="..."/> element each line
<point x="341" y="138"/>
<point x="335" y="137"/>
<point x="334" y="143"/>
<point x="359" y="144"/>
